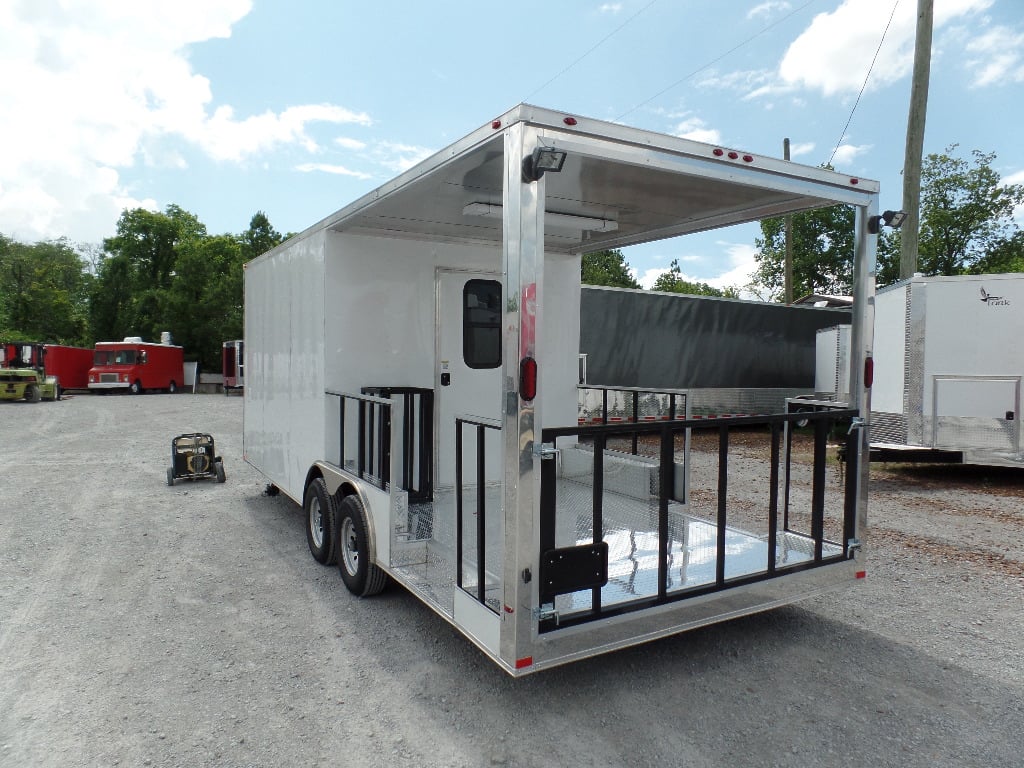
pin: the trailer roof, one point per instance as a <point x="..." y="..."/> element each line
<point x="648" y="185"/>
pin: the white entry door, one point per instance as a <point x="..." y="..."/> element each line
<point x="469" y="369"/>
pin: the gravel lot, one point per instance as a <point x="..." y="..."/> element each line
<point x="142" y="625"/>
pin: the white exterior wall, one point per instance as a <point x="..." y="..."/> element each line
<point x="284" y="394"/>
<point x="890" y="350"/>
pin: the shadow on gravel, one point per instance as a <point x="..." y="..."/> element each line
<point x="783" y="688"/>
<point x="1003" y="480"/>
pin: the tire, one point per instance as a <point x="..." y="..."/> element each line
<point x="173" y="388"/>
<point x="170" y="475"/>
<point x="218" y="470"/>
<point x="136" y="387"/>
<point x="60" y="392"/>
<point x="362" y="577"/>
<point x="320" y="517"/>
<point x="32" y="393"/>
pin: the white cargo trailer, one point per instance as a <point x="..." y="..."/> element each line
<point x="949" y="357"/>
<point x="412" y="382"/>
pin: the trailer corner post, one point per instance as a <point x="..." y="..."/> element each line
<point x="522" y="257"/>
<point x="862" y="344"/>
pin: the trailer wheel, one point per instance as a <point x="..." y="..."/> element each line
<point x="320" y="517"/>
<point x="173" y="388"/>
<point x="136" y="387"/>
<point x="170" y="475"/>
<point x="218" y="470"/>
<point x="362" y="577"/>
<point x="32" y="393"/>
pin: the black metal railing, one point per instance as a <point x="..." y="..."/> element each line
<point x="478" y="427"/>
<point x="370" y="415"/>
<point x="665" y="434"/>
<point x="629" y="405"/>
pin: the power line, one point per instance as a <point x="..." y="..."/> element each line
<point x="716" y="59"/>
<point x="592" y="49"/>
<point x="865" y="84"/>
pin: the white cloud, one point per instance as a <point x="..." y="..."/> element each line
<point x="346" y="143"/>
<point x="738" y="260"/>
<point x="94" y="87"/>
<point x="847" y="153"/>
<point x="999" y="57"/>
<point x="832" y="55"/>
<point x="338" y="170"/>
<point x="610" y="8"/>
<point x="798" y="149"/>
<point x="400" y="157"/>
<point x="768" y="9"/>
<point x="696" y="129"/>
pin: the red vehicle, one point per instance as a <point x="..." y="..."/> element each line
<point x="233" y="365"/>
<point x="69" y="364"/>
<point x="136" y="366"/>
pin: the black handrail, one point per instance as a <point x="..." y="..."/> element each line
<point x="481" y="501"/>
<point x="823" y="423"/>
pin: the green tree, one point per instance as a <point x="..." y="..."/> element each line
<point x="204" y="302"/>
<point x="43" y="291"/>
<point x="822" y="253"/>
<point x="966" y="219"/>
<point x="673" y="282"/>
<point x="607" y="268"/>
<point x="130" y="293"/>
<point x="260" y="237"/>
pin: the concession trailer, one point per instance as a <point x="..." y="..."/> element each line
<point x="413" y="382"/>
<point x="136" y="366"/>
<point x="949" y="359"/>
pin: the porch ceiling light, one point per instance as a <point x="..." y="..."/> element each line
<point x="892" y="219"/>
<point x="542" y="160"/>
<point x="551" y="219"/>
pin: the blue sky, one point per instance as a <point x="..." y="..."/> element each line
<point x="226" y="107"/>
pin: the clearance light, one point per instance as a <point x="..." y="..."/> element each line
<point x="527" y="378"/>
<point x="869" y="372"/>
<point x="569" y="121"/>
<point x="861" y="574"/>
<point x="526" y="661"/>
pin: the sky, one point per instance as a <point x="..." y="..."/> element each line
<point x="298" y="107"/>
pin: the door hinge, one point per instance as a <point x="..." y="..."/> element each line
<point x="545" y="451"/>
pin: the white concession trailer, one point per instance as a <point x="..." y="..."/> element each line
<point x="412" y="381"/>
<point x="949" y="358"/>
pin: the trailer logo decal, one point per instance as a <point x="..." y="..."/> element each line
<point x="993" y="301"/>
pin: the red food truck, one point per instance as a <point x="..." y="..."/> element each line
<point x="136" y="365"/>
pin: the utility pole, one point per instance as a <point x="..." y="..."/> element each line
<point x="789" y="240"/>
<point x="915" y="139"/>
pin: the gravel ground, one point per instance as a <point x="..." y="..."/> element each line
<point x="142" y="625"/>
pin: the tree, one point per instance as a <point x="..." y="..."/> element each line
<point x="822" y="252"/>
<point x="129" y="297"/>
<point x="260" y="237"/>
<point x="673" y="282"/>
<point x="607" y="268"/>
<point x="43" y="291"/>
<point x="966" y="218"/>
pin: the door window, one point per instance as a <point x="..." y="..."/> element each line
<point x="481" y="324"/>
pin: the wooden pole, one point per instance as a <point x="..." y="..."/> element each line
<point x="789" y="241"/>
<point x="915" y="139"/>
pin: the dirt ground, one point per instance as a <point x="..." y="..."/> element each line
<point x="142" y="625"/>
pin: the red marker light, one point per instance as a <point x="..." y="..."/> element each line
<point x="733" y="155"/>
<point x="718" y="152"/>
<point x="861" y="574"/>
<point x="526" y="661"/>
<point x="748" y="158"/>
<point x="869" y="372"/>
<point x="855" y="181"/>
<point x="496" y="124"/>
<point x="569" y="121"/>
<point x="527" y="378"/>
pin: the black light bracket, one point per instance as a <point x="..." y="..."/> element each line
<point x="542" y="160"/>
<point x="892" y="219"/>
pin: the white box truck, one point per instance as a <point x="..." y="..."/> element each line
<point x="412" y="382"/>
<point x="949" y="357"/>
